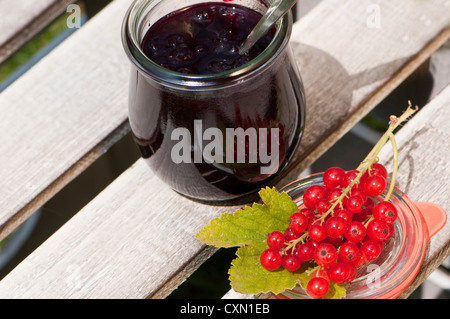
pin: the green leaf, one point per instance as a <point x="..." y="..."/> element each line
<point x="248" y="228"/>
<point x="336" y="291"/>
<point x="252" y="224"/>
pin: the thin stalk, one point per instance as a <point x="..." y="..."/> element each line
<point x="368" y="161"/>
<point x="394" y="171"/>
<point x="393" y="124"/>
<point x="372" y="157"/>
<point x="293" y="243"/>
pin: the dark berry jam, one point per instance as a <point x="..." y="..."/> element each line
<point x="182" y="130"/>
<point x="204" y="38"/>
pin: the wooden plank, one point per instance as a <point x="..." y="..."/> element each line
<point x="355" y="82"/>
<point x="136" y="239"/>
<point x="62" y="115"/>
<point x="424" y="172"/>
<point x="133" y="223"/>
<point x="21" y="20"/>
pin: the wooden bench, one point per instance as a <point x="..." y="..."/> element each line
<point x="136" y="238"/>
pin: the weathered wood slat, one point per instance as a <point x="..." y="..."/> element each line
<point x="136" y="239"/>
<point x="364" y="60"/>
<point x="424" y="172"/>
<point x="20" y="20"/>
<point x="62" y="115"/>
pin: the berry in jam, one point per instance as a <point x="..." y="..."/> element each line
<point x="204" y="38"/>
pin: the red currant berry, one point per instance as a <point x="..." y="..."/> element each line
<point x="289" y="235"/>
<point x="275" y="239"/>
<point x="372" y="249"/>
<point x="317" y="287"/>
<point x="322" y="206"/>
<point x="354" y="204"/>
<point x="355" y="232"/>
<point x="334" y="241"/>
<point x="350" y="176"/>
<point x="378" y="169"/>
<point x="391" y="230"/>
<point x="363" y="178"/>
<point x="333" y="194"/>
<point x="369" y="203"/>
<point x="308" y="213"/>
<point x="313" y="194"/>
<point x="359" y="192"/>
<point x="348" y="252"/>
<point x="333" y="177"/>
<point x="305" y="252"/>
<point x="339" y="272"/>
<point x="291" y="263"/>
<point x="325" y="254"/>
<point x="378" y="230"/>
<point x="385" y="211"/>
<point x="335" y="227"/>
<point x="359" y="259"/>
<point x="316" y="232"/>
<point x="362" y="215"/>
<point x="298" y="223"/>
<point x="352" y="274"/>
<point x="374" y="185"/>
<point x="322" y="273"/>
<point x="345" y="215"/>
<point x="271" y="259"/>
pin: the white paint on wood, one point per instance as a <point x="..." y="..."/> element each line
<point x="57" y="117"/>
<point x="424" y="171"/>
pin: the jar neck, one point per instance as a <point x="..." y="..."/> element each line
<point x="133" y="30"/>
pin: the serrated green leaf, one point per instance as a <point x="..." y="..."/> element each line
<point x="248" y="228"/>
<point x="336" y="291"/>
<point x="252" y="224"/>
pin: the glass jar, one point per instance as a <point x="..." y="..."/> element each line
<point x="214" y="137"/>
<point x="393" y="271"/>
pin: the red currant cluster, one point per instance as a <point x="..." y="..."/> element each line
<point x="340" y="226"/>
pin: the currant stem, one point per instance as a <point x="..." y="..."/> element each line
<point x="365" y="165"/>
<point x="294" y="242"/>
<point x="394" y="171"/>
<point x="368" y="221"/>
<point x="372" y="158"/>
<point x="310" y="271"/>
<point x="393" y="124"/>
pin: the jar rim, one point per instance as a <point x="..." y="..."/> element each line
<point x="133" y="49"/>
